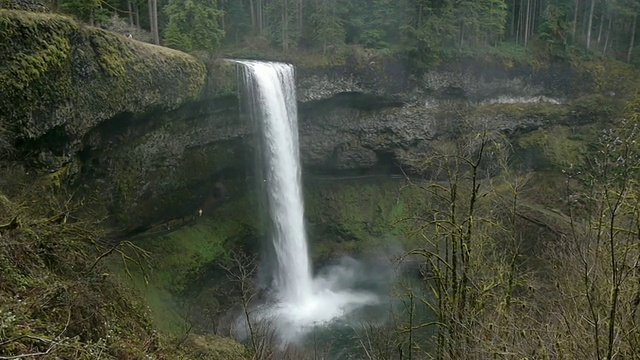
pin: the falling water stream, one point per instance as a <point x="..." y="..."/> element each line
<point x="271" y="90"/>
<point x="302" y="302"/>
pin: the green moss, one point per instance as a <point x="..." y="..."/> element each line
<point x="556" y="147"/>
<point x="35" y="53"/>
<point x="58" y="178"/>
<point x="182" y="255"/>
<point x="582" y="110"/>
<point x="23" y="5"/>
<point x="350" y="216"/>
<point x="609" y="76"/>
<point x="595" y="107"/>
<point x="59" y="74"/>
<point x="218" y="347"/>
<point x="224" y="79"/>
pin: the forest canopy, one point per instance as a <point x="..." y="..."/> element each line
<point x="424" y="31"/>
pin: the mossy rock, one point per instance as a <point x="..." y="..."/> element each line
<point x="222" y="79"/>
<point x="59" y="75"/>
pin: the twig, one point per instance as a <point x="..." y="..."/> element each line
<point x="30" y="354"/>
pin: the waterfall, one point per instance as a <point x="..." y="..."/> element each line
<point x="302" y="302"/>
<point x="272" y="102"/>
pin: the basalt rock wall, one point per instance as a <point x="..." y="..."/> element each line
<point x="159" y="134"/>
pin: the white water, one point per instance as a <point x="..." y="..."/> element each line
<point x="272" y="93"/>
<point x="302" y="302"/>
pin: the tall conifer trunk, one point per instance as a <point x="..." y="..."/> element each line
<point x="575" y="21"/>
<point x="130" y="9"/>
<point x="593" y="5"/>
<point x="633" y="37"/>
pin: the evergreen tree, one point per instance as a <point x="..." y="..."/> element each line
<point x="237" y="20"/>
<point x="431" y="33"/>
<point x="193" y="25"/>
<point x="281" y="19"/>
<point x="328" y="26"/>
<point x="376" y="23"/>
<point x="91" y="11"/>
<point x="555" y="29"/>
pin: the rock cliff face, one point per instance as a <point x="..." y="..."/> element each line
<point x="156" y="132"/>
<point x="381" y="117"/>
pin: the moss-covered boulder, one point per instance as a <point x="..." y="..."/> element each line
<point x="60" y="79"/>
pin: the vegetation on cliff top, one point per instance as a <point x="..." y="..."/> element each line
<point x="423" y="32"/>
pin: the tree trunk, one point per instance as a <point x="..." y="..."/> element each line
<point x="260" y="16"/>
<point x="285" y="26"/>
<point x="593" y="5"/>
<point x="130" y="8"/>
<point x="575" y="21"/>
<point x="150" y="5"/>
<point x="136" y="15"/>
<point x="153" y="21"/>
<point x="299" y="13"/>
<point x="223" y="22"/>
<point x="585" y="19"/>
<point x="606" y="41"/>
<point x="526" y="23"/>
<point x="633" y="37"/>
<point x="518" y="22"/>
<point x="600" y="28"/>
<point x="512" y="26"/>
<point x="252" y="13"/>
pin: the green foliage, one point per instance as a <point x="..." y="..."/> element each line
<point x="363" y="215"/>
<point x="175" y="37"/>
<point x="86" y="10"/>
<point x="428" y="42"/>
<point x="184" y="253"/>
<point x="58" y="298"/>
<point x="425" y="32"/>
<point x="48" y="287"/>
<point x="609" y="76"/>
<point x="509" y="55"/>
<point x="193" y="25"/>
<point x="482" y="22"/>
<point x="237" y="22"/>
<point x="328" y="25"/>
<point x="554" y="30"/>
<point x="375" y="23"/>
<point x="560" y="147"/>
